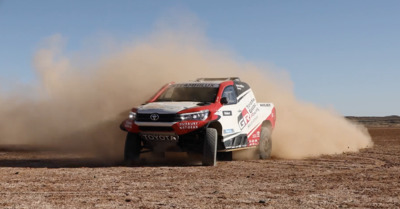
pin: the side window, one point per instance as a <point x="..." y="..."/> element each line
<point x="230" y="94"/>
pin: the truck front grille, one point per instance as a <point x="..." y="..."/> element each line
<point x="156" y="128"/>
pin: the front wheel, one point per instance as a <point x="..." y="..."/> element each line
<point x="210" y="147"/>
<point x="132" y="148"/>
<point x="265" y="145"/>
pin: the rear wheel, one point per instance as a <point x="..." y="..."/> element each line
<point x="265" y="145"/>
<point x="132" y="148"/>
<point x="210" y="147"/>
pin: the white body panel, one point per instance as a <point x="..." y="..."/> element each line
<point x="244" y="117"/>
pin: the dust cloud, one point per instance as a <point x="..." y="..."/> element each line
<point x="79" y="106"/>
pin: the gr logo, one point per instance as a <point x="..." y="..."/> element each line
<point x="244" y="118"/>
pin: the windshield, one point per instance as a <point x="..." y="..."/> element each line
<point x="190" y="92"/>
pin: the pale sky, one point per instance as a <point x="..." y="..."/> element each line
<point x="343" y="54"/>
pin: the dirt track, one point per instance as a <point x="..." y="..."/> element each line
<point x="369" y="179"/>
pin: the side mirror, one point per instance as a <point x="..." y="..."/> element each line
<point x="224" y="100"/>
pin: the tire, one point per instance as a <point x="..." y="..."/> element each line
<point x="210" y="147"/>
<point x="132" y="148"/>
<point x="265" y="145"/>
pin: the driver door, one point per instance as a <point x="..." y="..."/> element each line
<point x="229" y="118"/>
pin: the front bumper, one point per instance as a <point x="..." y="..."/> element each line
<point x="169" y="136"/>
<point x="179" y="128"/>
<point x="169" y="141"/>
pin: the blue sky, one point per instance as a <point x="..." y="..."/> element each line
<point x="343" y="54"/>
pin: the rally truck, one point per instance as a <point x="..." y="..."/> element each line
<point x="210" y="116"/>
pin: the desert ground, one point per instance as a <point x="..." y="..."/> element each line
<point x="51" y="179"/>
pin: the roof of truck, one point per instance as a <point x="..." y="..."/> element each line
<point x="218" y="79"/>
<point x="207" y="82"/>
<point x="241" y="87"/>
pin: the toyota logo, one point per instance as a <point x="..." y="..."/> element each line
<point x="154" y="117"/>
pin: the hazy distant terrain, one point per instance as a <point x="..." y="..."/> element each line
<point x="387" y="121"/>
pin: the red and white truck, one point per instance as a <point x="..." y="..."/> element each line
<point x="211" y="116"/>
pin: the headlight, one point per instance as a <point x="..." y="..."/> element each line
<point x="132" y="115"/>
<point x="202" y="115"/>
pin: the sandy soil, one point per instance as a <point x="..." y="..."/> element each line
<point x="45" y="179"/>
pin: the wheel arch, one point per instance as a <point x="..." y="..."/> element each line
<point x="217" y="125"/>
<point x="267" y="124"/>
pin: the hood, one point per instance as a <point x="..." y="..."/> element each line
<point x="166" y="107"/>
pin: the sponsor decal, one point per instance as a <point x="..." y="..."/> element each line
<point x="189" y="125"/>
<point x="239" y="86"/>
<point x="228" y="131"/>
<point x="254" y="138"/>
<point x="201" y="85"/>
<point x="265" y="105"/>
<point x="128" y="124"/>
<point x="155" y="137"/>
<point x="227" y="113"/>
<point x="252" y="105"/>
<point x="249" y="114"/>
